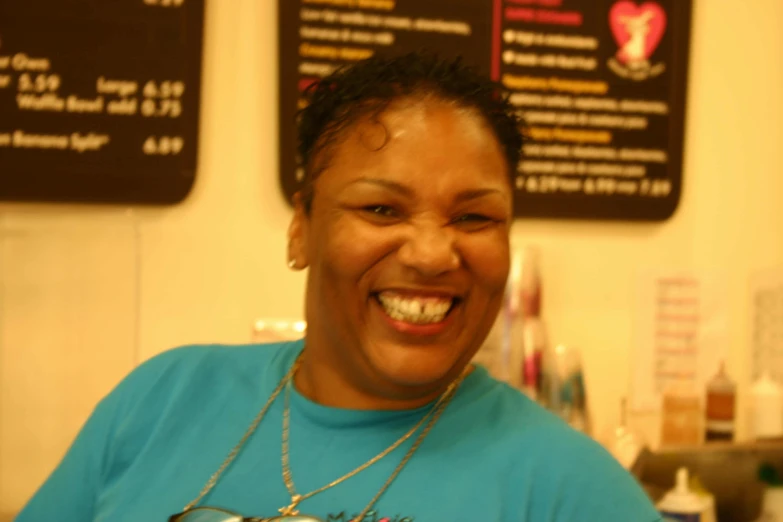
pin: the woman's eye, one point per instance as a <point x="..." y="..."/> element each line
<point x="472" y="218"/>
<point x="475" y="222"/>
<point x="381" y="211"/>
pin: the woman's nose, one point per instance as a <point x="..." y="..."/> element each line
<point x="430" y="249"/>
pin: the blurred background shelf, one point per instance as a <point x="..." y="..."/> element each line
<point x="728" y="471"/>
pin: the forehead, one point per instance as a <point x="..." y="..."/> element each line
<point x="418" y="137"/>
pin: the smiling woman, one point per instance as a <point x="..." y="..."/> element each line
<point x="403" y="225"/>
<point x="387" y="239"/>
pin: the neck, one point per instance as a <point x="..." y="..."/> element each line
<point x="324" y="384"/>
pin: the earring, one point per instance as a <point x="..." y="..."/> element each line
<point x="292" y="264"/>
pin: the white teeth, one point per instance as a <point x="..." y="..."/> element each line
<point x="413" y="310"/>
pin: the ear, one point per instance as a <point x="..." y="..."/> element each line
<point x="298" y="234"/>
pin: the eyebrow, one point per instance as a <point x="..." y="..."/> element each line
<point x="466" y="195"/>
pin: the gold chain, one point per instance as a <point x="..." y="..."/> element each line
<point x="432" y="415"/>
<point x="253" y="425"/>
<point x="448" y="395"/>
<point x="287" y="476"/>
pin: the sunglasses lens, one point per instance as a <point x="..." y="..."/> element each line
<point x="294" y="518"/>
<point x="208" y="515"/>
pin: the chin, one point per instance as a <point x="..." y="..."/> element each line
<point x="418" y="370"/>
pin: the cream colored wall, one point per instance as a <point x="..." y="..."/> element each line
<point x="730" y="219"/>
<point x="73" y="319"/>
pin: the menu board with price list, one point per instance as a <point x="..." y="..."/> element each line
<point x="99" y="100"/>
<point x="600" y="85"/>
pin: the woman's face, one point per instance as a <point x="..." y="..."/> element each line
<point x="407" y="244"/>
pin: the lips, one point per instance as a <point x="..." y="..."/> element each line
<point x="417" y="307"/>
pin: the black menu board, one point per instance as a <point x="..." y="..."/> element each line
<point x="600" y="85"/>
<point x="99" y="100"/>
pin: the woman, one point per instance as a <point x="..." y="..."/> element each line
<point x="377" y="414"/>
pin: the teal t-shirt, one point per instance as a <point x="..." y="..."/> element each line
<point x="152" y="444"/>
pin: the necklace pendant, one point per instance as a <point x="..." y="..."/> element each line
<point x="290" y="509"/>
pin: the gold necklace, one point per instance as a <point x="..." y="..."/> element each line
<point x="433" y="416"/>
<point x="253" y="425"/>
<point x="448" y="395"/>
<point x="296" y="498"/>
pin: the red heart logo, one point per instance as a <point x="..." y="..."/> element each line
<point x="638" y="29"/>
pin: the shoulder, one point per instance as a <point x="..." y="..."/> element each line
<point x="192" y="377"/>
<point x="503" y="410"/>
<point x="579" y="478"/>
<point x="174" y="366"/>
<point x="183" y="388"/>
<point x="567" y="475"/>
<point x="192" y="357"/>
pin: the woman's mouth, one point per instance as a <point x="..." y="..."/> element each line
<point x="416" y="309"/>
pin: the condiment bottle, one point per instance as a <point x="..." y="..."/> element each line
<point x="681" y="416"/>
<point x="720" y="411"/>
<point x="766" y="414"/>
<point x="681" y="503"/>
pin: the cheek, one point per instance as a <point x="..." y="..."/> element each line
<point x="350" y="249"/>
<point x="489" y="260"/>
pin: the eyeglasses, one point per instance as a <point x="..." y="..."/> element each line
<point x="208" y="514"/>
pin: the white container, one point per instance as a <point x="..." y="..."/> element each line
<point x="766" y="415"/>
<point x="681" y="504"/>
<point x="772" y="505"/>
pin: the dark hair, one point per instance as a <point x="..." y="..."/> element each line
<point x="367" y="87"/>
